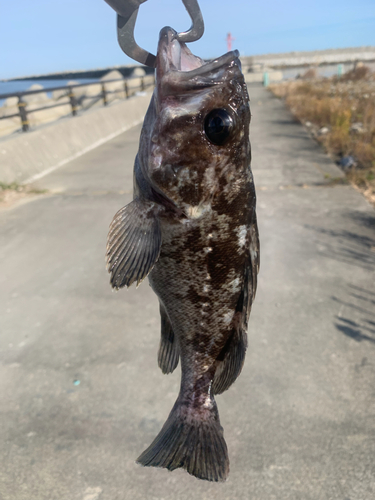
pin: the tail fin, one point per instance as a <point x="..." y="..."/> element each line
<point x="192" y="442"/>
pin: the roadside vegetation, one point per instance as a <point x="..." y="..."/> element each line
<point x="12" y="193"/>
<point x="340" y="113"/>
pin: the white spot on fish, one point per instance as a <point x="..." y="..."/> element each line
<point x="241" y="232"/>
<point x="208" y="249"/>
<point x="210" y="179"/>
<point x="234" y="285"/>
<point x="207" y="402"/>
<point x="227" y="317"/>
<point x="197" y="211"/>
<point x="253" y="254"/>
<point x="174" y="110"/>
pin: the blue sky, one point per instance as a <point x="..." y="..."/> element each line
<point x="42" y="36"/>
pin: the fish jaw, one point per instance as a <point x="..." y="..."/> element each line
<point x="177" y="68"/>
<point x="174" y="55"/>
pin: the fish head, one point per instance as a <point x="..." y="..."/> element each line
<point x="196" y="133"/>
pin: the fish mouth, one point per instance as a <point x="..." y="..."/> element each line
<point x="174" y="56"/>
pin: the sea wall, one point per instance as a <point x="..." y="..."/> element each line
<point x="258" y="76"/>
<point x="315" y="57"/>
<point x="30" y="155"/>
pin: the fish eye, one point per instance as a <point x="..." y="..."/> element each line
<point x="218" y="126"/>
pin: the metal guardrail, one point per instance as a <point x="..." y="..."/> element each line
<point x="74" y="102"/>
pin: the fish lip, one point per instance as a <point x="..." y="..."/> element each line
<point x="168" y="58"/>
<point x="224" y="60"/>
<point x="175" y="57"/>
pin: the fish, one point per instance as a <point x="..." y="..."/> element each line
<point x="192" y="229"/>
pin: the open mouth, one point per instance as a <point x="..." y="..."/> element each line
<point x="175" y="56"/>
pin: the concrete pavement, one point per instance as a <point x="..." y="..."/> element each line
<point x="81" y="393"/>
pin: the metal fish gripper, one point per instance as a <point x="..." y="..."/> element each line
<point x="127" y="11"/>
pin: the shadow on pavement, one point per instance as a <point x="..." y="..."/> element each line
<point x="363" y="303"/>
<point x="351" y="241"/>
<point x="355" y="246"/>
<point x="364" y="219"/>
<point x="353" y="330"/>
<point x="292" y="121"/>
<point x="352" y="306"/>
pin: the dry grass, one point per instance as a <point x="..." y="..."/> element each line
<point x="310" y="74"/>
<point x="346" y="106"/>
<point x="14" y="192"/>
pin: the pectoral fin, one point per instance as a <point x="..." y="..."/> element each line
<point x="133" y="244"/>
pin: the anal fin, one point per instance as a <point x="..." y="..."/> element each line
<point x="133" y="244"/>
<point x="168" y="354"/>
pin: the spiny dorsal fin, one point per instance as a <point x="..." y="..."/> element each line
<point x="133" y="244"/>
<point x="168" y="350"/>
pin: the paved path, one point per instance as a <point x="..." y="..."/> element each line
<point x="299" y="422"/>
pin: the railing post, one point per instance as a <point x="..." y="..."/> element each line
<point x="266" y="79"/>
<point x="126" y="90"/>
<point x="73" y="101"/>
<point x="104" y="95"/>
<point x="142" y="83"/>
<point x="23" y="114"/>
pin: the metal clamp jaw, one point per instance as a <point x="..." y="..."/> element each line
<point x="127" y="11"/>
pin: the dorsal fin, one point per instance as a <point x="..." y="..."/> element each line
<point x="232" y="357"/>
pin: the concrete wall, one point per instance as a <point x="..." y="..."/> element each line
<point x="314" y="57"/>
<point x="258" y="76"/>
<point x="30" y="155"/>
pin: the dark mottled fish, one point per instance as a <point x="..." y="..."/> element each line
<point x="191" y="228"/>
